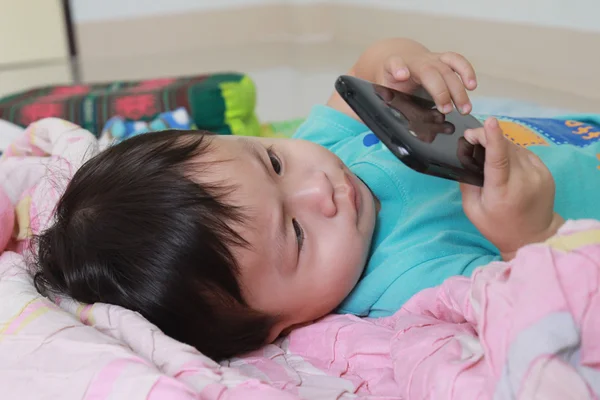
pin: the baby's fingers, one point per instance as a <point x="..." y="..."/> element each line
<point x="433" y="81"/>
<point x="497" y="152"/>
<point x="455" y="87"/>
<point x="397" y="69"/>
<point x="462" y="67"/>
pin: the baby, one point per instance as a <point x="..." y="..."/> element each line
<point x="227" y="242"/>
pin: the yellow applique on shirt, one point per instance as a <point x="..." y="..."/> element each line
<point x="521" y="135"/>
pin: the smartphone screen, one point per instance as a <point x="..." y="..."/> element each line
<point x="423" y="138"/>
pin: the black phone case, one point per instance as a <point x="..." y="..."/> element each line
<point x="439" y="154"/>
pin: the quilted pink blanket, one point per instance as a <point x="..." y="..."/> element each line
<point x="528" y="329"/>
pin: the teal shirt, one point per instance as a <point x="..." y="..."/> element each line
<point x="422" y="235"/>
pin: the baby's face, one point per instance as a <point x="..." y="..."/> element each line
<point x="310" y="223"/>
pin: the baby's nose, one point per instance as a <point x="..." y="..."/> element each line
<point x="316" y="193"/>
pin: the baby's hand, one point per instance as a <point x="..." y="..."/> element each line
<point x="515" y="207"/>
<point x="438" y="73"/>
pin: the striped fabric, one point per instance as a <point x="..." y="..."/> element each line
<point x="223" y="103"/>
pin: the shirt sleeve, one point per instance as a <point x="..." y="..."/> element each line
<point x="327" y="126"/>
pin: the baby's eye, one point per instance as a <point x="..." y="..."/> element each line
<point x="274" y="162"/>
<point x="299" y="234"/>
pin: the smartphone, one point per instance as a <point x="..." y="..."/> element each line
<point x="412" y="128"/>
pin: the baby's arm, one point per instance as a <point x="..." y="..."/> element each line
<point x="515" y="207"/>
<point x="406" y="65"/>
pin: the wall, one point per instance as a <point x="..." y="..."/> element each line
<point x="535" y="45"/>
<point x="31" y="42"/>
<point x="103" y="10"/>
<point x="27" y="37"/>
<point x="572" y="14"/>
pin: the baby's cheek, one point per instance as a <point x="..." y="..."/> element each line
<point x="336" y="261"/>
<point x="346" y="269"/>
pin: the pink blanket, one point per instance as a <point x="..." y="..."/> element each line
<point x="528" y="329"/>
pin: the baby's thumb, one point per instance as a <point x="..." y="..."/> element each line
<point x="397" y="68"/>
<point x="497" y="157"/>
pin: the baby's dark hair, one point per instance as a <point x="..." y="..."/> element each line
<point x="134" y="229"/>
